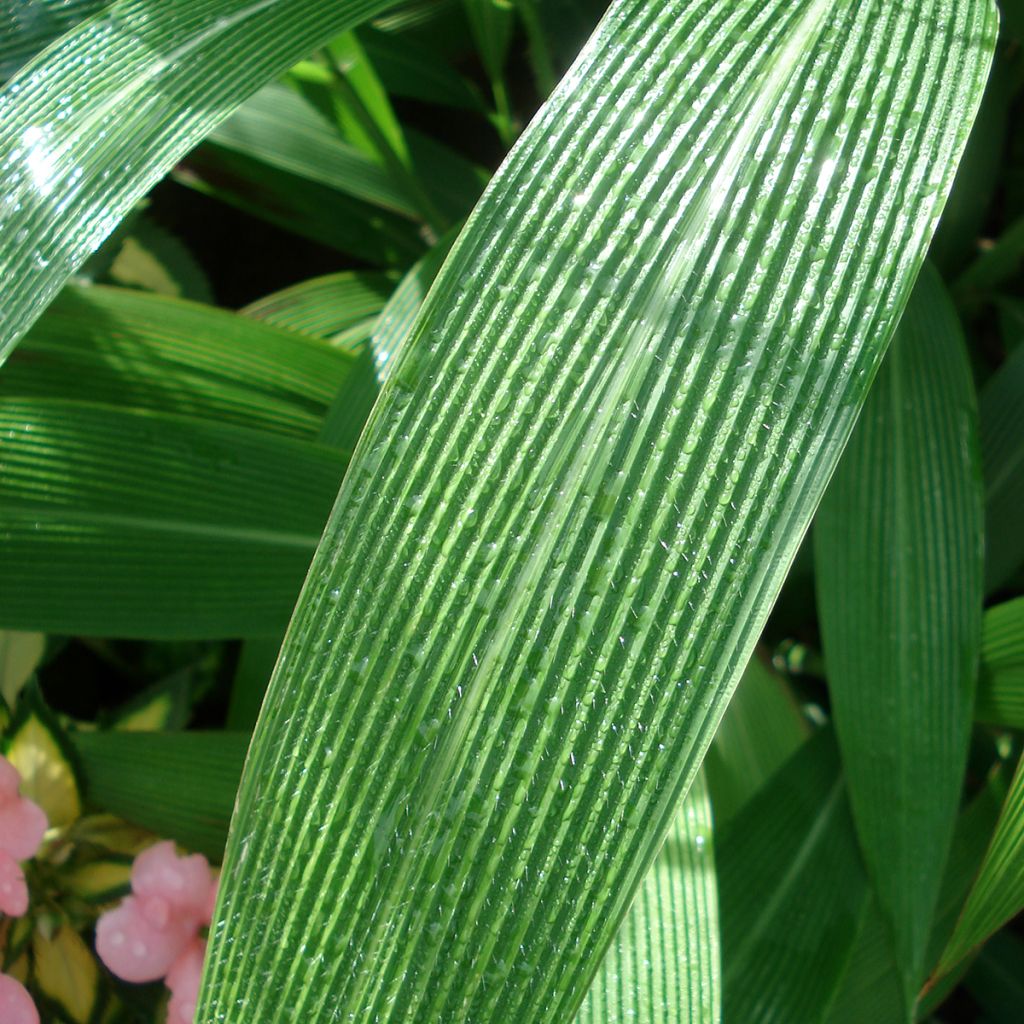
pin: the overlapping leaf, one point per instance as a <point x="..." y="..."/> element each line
<point x="898" y="544"/>
<point x="575" y="501"/>
<point x="90" y="125"/>
<point x="1001" y="684"/>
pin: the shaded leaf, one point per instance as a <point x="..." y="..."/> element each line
<point x="1001" y="683"/>
<point x="898" y="556"/>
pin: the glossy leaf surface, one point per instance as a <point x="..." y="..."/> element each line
<point x="575" y="501"/>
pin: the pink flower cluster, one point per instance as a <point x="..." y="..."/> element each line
<point x="22" y="827"/>
<point x="154" y="933"/>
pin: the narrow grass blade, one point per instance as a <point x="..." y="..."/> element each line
<point x="77" y="150"/>
<point x="575" y="501"/>
<point x="792" y="891"/>
<point x="179" y="784"/>
<point x="760" y="730"/>
<point x="1001" y="683"/>
<point x="998" y="891"/>
<point x="898" y="546"/>
<point x="141" y="351"/>
<point x="118" y="522"/>
<point x="1002" y="450"/>
<point x="663" y="964"/>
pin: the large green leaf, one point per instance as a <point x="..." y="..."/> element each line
<point x="575" y="501"/>
<point x="132" y="349"/>
<point x="1002" y="448"/>
<point x="663" y="965"/>
<point x="26" y="26"/>
<point x="792" y="890"/>
<point x="898" y="555"/>
<point x="78" y="148"/>
<point x="1001" y="683"/>
<point x="998" y="891"/>
<point x="179" y="784"/>
<point x="121" y="522"/>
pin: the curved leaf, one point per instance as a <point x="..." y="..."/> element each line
<point x="898" y="555"/>
<point x="78" y="149"/>
<point x="575" y="502"/>
<point x="1001" y="684"/>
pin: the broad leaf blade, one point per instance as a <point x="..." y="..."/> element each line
<point x="118" y="522"/>
<point x="77" y="150"/>
<point x="180" y="785"/>
<point x="646" y="385"/>
<point x="149" y="352"/>
<point x="898" y="545"/>
<point x="663" y="965"/>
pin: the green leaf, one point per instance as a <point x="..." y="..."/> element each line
<point x="663" y="964"/>
<point x="181" y="785"/>
<point x="792" y="891"/>
<point x="77" y="150"/>
<point x="153" y="259"/>
<point x="871" y="988"/>
<point x="278" y="127"/>
<point x="998" y="891"/>
<point x="762" y="727"/>
<point x="329" y="306"/>
<point x="1002" y="449"/>
<point x="20" y="655"/>
<point x="164" y="355"/>
<point x="1001" y="683"/>
<point x="119" y="522"/>
<point x="27" y="26"/>
<point x="899" y="570"/>
<point x="575" y="501"/>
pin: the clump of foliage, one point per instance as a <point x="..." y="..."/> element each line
<point x="531" y="492"/>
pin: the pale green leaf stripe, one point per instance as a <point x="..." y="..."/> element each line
<point x="134" y="349"/>
<point x="117" y="522"/>
<point x="179" y="784"/>
<point x="1001" y="684"/>
<point x="792" y="889"/>
<point x="1002" y="448"/>
<point x="277" y="126"/>
<point x="761" y="728"/>
<point x="663" y="965"/>
<point x="77" y="149"/>
<point x="998" y="892"/>
<point x="871" y="988"/>
<point x="576" y="500"/>
<point x="326" y="306"/>
<point x="898" y="554"/>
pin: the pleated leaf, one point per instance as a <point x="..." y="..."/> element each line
<point x="792" y="891"/>
<point x="28" y="27"/>
<point x="998" y="891"/>
<point x="575" y="502"/>
<point x="1002" y="449"/>
<point x="898" y="554"/>
<point x="180" y="785"/>
<point x="125" y="523"/>
<point x="77" y="149"/>
<point x="131" y="349"/>
<point x="663" y="964"/>
<point x="1001" y="683"/>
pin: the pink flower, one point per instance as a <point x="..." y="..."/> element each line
<point x="22" y="827"/>
<point x="183" y="981"/>
<point x="16" y="1006"/>
<point x="13" y="890"/>
<point x="154" y="933"/>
